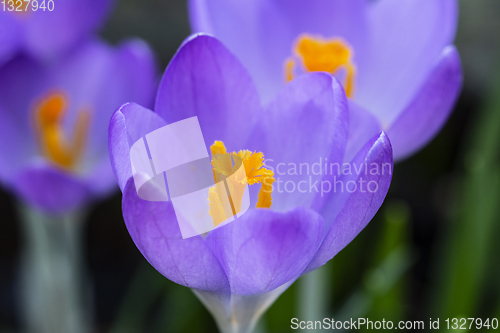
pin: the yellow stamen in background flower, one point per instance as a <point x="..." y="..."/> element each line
<point x="324" y="55"/>
<point x="289" y="66"/>
<point x="49" y="115"/>
<point x="225" y="165"/>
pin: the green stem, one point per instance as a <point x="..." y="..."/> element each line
<point x="52" y="273"/>
<point x="237" y="313"/>
<point x="314" y="294"/>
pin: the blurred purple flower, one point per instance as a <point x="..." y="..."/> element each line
<point x="238" y="270"/>
<point x="394" y="57"/>
<point x="54" y="120"/>
<point x="45" y="34"/>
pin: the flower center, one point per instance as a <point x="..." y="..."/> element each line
<point x="226" y="164"/>
<point x="317" y="54"/>
<point x="55" y="146"/>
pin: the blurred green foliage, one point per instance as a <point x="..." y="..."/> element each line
<point x="466" y="261"/>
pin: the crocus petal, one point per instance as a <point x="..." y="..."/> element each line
<point x="317" y="102"/>
<point x="362" y="127"/>
<point x="128" y="124"/>
<point x="134" y="80"/>
<point x="205" y="80"/>
<point x="132" y="75"/>
<point x="22" y="78"/>
<point x="430" y="108"/>
<point x="262" y="32"/>
<point x="263" y="249"/>
<point x="348" y="213"/>
<point x="154" y="230"/>
<point x="66" y="191"/>
<point x="51" y="33"/>
<point x="406" y="39"/>
<point x="138" y="58"/>
<point x="101" y="180"/>
<point x="10" y="36"/>
<point x="16" y="149"/>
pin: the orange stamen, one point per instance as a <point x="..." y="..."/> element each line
<point x="54" y="145"/>
<point x="324" y="55"/>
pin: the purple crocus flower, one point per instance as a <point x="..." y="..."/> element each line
<point x="54" y="119"/>
<point x="48" y="28"/>
<point x="239" y="269"/>
<point x="394" y="58"/>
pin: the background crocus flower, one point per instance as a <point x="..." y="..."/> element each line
<point x="53" y="121"/>
<point x="239" y="269"/>
<point x="394" y="58"/>
<point x="45" y="34"/>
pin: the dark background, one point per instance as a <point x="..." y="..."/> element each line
<point x="431" y="251"/>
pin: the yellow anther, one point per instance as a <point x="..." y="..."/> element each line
<point x="226" y="166"/>
<point x="216" y="207"/>
<point x="323" y="55"/>
<point x="289" y="66"/>
<point x="55" y="147"/>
